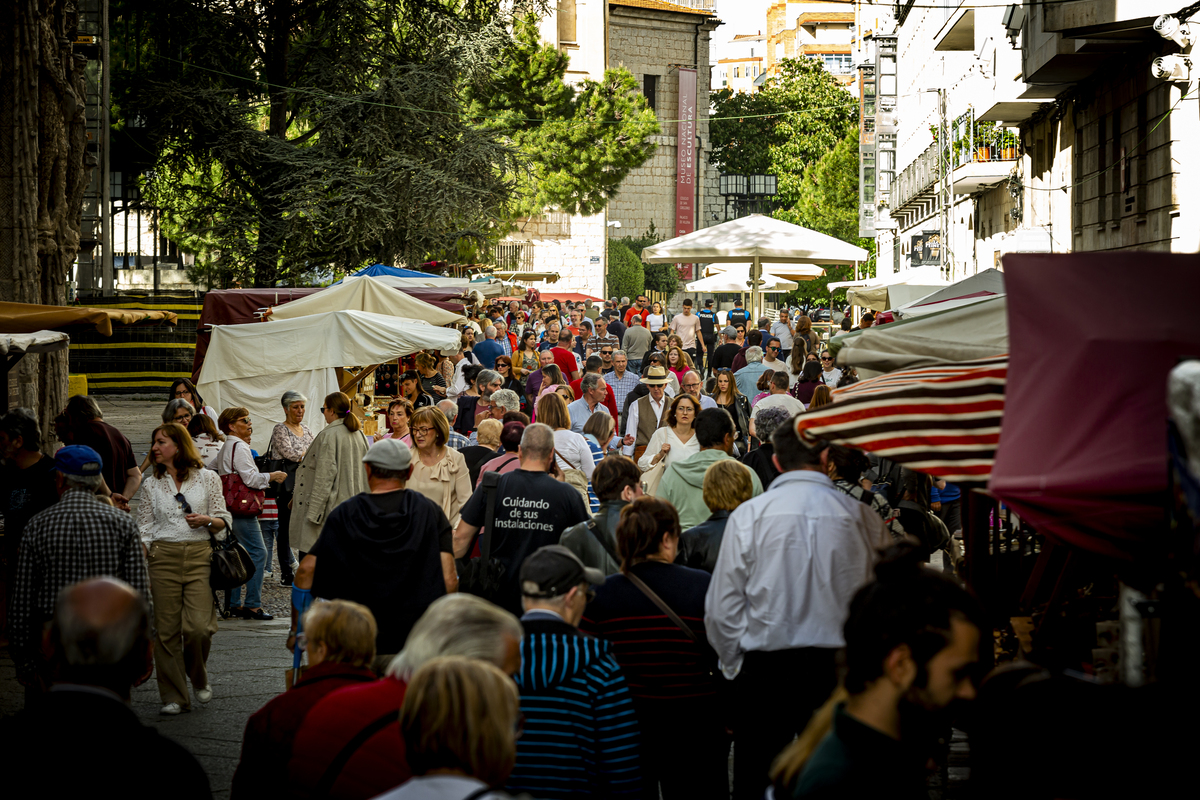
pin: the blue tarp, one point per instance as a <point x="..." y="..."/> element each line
<point x="375" y="270"/>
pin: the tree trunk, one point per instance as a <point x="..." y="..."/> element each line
<point x="43" y="175"/>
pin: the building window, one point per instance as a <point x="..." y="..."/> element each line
<point x="650" y="90"/>
<point x="737" y="72"/>
<point x="838" y="63"/>
<point x="566" y="21"/>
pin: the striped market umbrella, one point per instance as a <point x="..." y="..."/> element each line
<point x="942" y="420"/>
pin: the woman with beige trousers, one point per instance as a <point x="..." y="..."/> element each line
<point x="331" y="471"/>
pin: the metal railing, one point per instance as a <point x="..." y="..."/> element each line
<point x="917" y="177"/>
<point x="972" y="141"/>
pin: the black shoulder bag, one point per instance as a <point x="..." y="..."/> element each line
<point x="483" y="576"/>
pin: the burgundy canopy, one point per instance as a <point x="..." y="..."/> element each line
<point x="1092" y="338"/>
<point x="237" y="306"/>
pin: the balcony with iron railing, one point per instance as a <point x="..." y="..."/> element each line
<point x="977" y="153"/>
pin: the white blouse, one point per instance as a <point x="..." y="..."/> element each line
<point x="161" y="517"/>
<point x="235" y="455"/>
<point x="574" y="452"/>
<point x="679" y="449"/>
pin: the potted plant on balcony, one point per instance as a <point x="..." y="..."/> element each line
<point x="1008" y="145"/>
<point x="985" y="140"/>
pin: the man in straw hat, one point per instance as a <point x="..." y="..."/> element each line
<point x="647" y="415"/>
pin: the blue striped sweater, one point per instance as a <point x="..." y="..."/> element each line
<point x="581" y="737"/>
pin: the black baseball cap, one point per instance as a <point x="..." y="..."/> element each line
<point x="708" y="302"/>
<point x="552" y="570"/>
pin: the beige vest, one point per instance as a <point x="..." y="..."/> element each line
<point x="647" y="424"/>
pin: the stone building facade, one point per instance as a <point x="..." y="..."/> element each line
<point x="653" y="39"/>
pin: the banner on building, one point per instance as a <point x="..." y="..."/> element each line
<point x="685" y="175"/>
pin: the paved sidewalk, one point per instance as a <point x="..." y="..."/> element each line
<point x="246" y="668"/>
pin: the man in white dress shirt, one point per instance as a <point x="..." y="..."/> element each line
<point x="790" y="562"/>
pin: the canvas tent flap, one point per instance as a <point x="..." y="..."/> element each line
<point x="881" y="298"/>
<point x="1083" y="455"/>
<point x="754" y="236"/>
<point x="366" y="294"/>
<point x="988" y="282"/>
<point x="252" y="365"/>
<point x="19" y="344"/>
<point x="956" y="335"/>
<point x="30" y="317"/>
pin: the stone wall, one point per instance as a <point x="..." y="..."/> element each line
<point x="648" y="42"/>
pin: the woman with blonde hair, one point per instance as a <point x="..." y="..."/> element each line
<point x="439" y="472"/>
<point x="459" y="721"/>
<point x="181" y="506"/>
<point x="822" y="396"/>
<point x="330" y="472"/>
<point x="727" y="396"/>
<point x="727" y="484"/>
<point x="236" y="458"/>
<point x="672" y="672"/>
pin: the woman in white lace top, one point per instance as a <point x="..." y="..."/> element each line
<point x="181" y="503"/>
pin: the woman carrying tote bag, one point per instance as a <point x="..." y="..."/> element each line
<point x="236" y="459"/>
<point x="181" y="505"/>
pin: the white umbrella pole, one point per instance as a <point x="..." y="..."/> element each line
<point x="755" y="272"/>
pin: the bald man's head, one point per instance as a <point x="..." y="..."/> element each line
<point x="100" y="635"/>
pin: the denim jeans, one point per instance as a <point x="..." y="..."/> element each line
<point x="634" y="366"/>
<point x="269" y="528"/>
<point x="250" y="537"/>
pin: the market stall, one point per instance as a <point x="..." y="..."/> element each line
<point x="366" y="294"/>
<point x="252" y="365"/>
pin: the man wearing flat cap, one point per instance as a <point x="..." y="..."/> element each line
<point x="390" y="549"/>
<point x="571" y="691"/>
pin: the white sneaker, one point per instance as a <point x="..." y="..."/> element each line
<point x="171" y="709"/>
<point x="204" y="695"/>
<point x="268" y="574"/>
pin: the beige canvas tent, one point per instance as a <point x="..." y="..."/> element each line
<point x="368" y="294"/>
<point x="252" y="365"/>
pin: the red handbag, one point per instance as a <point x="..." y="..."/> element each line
<point x="240" y="499"/>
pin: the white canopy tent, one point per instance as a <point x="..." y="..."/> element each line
<point x="968" y="332"/>
<point x="365" y="293"/>
<point x="252" y="365"/>
<point x="880" y="294"/>
<point x="758" y="239"/>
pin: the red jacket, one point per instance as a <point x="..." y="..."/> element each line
<point x="610" y="399"/>
<point x="375" y="766"/>
<point x="270" y="731"/>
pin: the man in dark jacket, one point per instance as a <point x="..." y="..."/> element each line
<point x="617" y="482"/>
<point x="389" y="549"/>
<point x="912" y="648"/>
<point x="341" y="647"/>
<point x="571" y="691"/>
<point x="83" y="735"/>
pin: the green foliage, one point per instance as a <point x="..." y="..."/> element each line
<point x="657" y="277"/>
<point x="579" y="143"/>
<point x="788" y="124"/>
<point x="828" y="204"/>
<point x="625" y="277"/>
<point x="306" y="136"/>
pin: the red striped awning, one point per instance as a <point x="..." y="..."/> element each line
<point x="941" y="420"/>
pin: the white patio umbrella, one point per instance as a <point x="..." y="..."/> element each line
<point x="758" y="239"/>
<point x="737" y="279"/>
<point x="788" y="272"/>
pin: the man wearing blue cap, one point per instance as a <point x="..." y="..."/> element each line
<point x="77" y="538"/>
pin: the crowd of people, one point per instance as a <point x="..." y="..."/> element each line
<point x="584" y="557"/>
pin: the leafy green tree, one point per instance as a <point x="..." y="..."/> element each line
<point x="828" y="204"/>
<point x="657" y="277"/>
<point x="625" y="277"/>
<point x="792" y="120"/>
<point x="578" y="143"/>
<point x="303" y="136"/>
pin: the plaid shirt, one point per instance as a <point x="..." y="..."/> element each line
<point x="622" y="386"/>
<point x="457" y="440"/>
<point x="75" y="539"/>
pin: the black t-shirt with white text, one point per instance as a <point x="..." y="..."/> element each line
<point x="532" y="510"/>
<point x="708" y="323"/>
